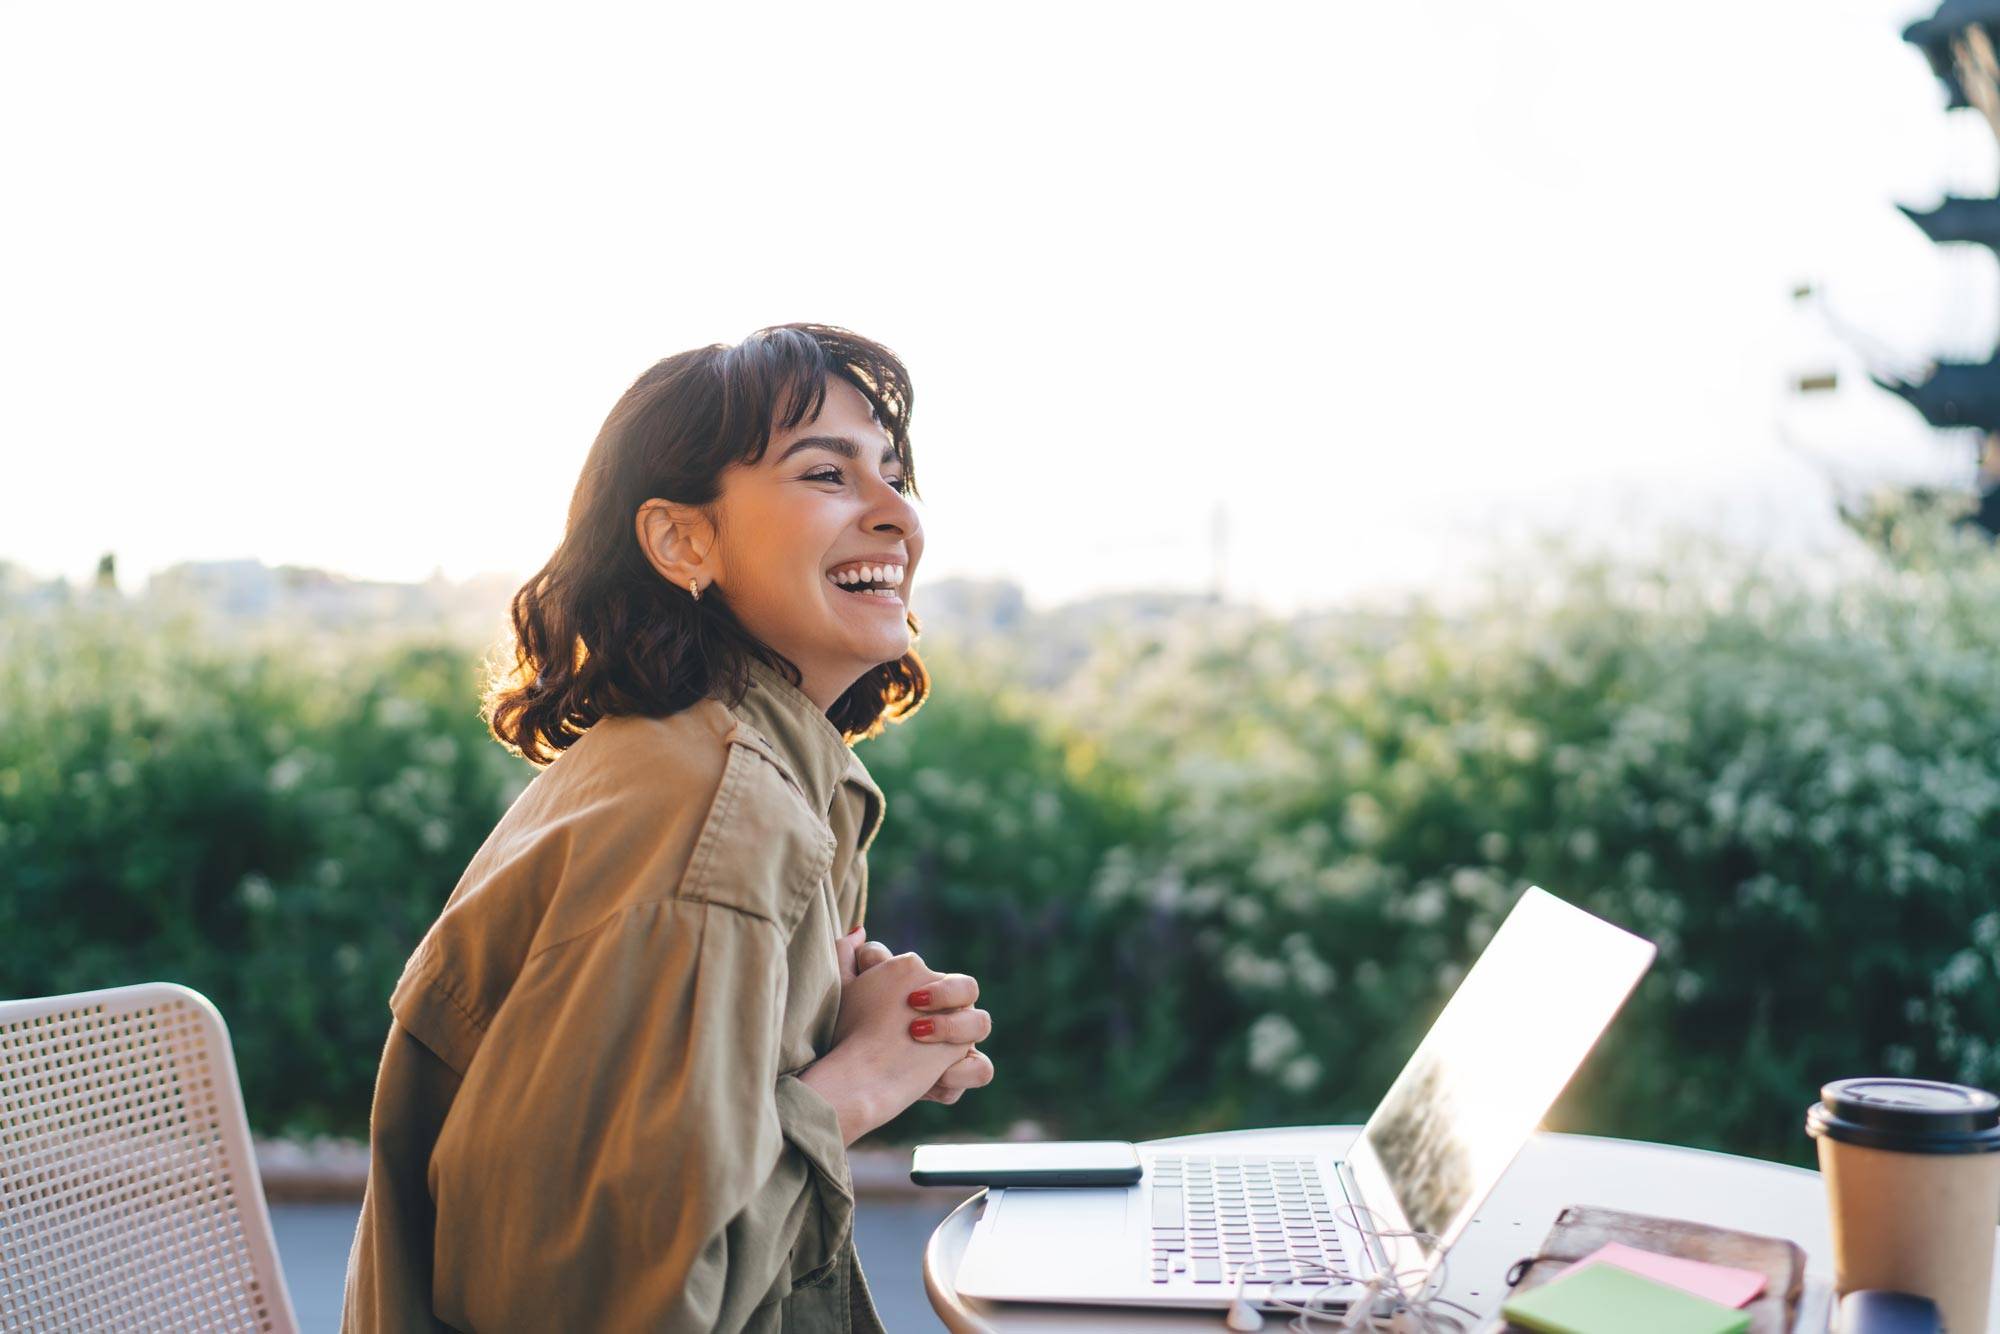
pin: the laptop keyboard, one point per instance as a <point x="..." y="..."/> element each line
<point x="1213" y="1214"/>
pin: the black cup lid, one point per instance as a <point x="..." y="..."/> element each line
<point x="1907" y="1115"/>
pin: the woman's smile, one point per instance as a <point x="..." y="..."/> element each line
<point x="878" y="579"/>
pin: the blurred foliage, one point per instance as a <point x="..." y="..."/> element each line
<point x="274" y="823"/>
<point x="1225" y="875"/>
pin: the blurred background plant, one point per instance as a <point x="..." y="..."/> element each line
<point x="272" y="820"/>
<point x="1216" y="869"/>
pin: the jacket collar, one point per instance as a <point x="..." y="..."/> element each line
<point x="806" y="742"/>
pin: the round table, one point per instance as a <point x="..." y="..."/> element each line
<point x="1553" y="1171"/>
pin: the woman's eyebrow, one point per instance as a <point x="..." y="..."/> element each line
<point x="839" y="444"/>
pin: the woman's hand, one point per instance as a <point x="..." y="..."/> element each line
<point x="877" y="1067"/>
<point x="972" y="1070"/>
<point x="852" y="951"/>
<point x="947" y="1003"/>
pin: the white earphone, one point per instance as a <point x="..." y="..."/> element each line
<point x="1244" y="1316"/>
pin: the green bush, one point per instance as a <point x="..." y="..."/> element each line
<point x="272" y="823"/>
<point x="1224" y="875"/>
<point x="983" y="865"/>
<point x="1793" y="786"/>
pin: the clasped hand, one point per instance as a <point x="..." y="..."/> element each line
<point x="942" y="1012"/>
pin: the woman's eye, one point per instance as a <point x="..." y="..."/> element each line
<point x="902" y="484"/>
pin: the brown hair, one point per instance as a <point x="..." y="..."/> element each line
<point x="597" y="631"/>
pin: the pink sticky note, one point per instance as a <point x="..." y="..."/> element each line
<point x="1718" y="1283"/>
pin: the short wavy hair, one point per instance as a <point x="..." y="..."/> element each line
<point x="598" y="631"/>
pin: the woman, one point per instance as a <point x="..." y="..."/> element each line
<point x="627" y="1060"/>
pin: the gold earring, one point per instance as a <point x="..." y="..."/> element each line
<point x="694" y="587"/>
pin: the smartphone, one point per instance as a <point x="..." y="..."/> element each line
<point x="1076" y="1162"/>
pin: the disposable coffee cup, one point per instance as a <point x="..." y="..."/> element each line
<point x="1912" y="1171"/>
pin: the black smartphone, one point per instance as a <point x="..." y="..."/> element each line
<point x="1076" y="1162"/>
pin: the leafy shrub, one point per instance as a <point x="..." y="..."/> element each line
<point x="1224" y="875"/>
<point x="269" y="824"/>
<point x="1792" y="786"/>
<point x="991" y="841"/>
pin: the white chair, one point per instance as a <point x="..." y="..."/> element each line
<point x="129" y="1195"/>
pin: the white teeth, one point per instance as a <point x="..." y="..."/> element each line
<point x="891" y="574"/>
<point x="888" y="574"/>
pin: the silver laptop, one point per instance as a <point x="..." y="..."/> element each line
<point x="1435" y="1147"/>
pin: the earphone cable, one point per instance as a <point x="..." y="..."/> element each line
<point x="1364" y="1313"/>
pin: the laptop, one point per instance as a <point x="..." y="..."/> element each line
<point x="1531" y="1008"/>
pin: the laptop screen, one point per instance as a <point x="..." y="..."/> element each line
<point x="1517" y="1028"/>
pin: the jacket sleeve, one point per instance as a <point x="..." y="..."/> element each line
<point x="389" y="1263"/>
<point x="625" y="1151"/>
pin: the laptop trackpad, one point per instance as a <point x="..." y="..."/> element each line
<point x="1057" y="1231"/>
<point x="1059" y="1211"/>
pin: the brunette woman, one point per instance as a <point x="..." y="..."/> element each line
<point x="627" y="1060"/>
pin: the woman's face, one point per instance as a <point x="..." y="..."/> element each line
<point x="804" y="512"/>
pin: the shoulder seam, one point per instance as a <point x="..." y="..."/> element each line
<point x="450" y="993"/>
<point x="430" y="973"/>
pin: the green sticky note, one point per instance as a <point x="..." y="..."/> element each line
<point x="1604" y="1299"/>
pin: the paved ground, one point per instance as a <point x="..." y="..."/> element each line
<point x="313" y="1241"/>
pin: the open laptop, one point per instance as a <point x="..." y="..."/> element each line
<point x="1533" y="1005"/>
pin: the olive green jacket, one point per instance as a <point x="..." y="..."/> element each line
<point x="588" y="1115"/>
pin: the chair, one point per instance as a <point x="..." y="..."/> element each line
<point x="129" y="1195"/>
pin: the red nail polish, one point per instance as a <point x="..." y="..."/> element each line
<point x="921" y="1028"/>
<point x="920" y="998"/>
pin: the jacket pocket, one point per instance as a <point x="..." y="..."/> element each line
<point x="819" y="1300"/>
<point x="761" y="850"/>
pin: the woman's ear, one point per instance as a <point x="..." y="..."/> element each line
<point x="675" y="538"/>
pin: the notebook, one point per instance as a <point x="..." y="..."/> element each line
<point x="1718" y="1283"/>
<point x="1581" y="1230"/>
<point x="1604" y="1299"/>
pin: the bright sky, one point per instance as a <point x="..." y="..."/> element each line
<point x="355" y="285"/>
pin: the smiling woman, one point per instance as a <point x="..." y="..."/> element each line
<point x="627" y="1059"/>
<point x="755" y="472"/>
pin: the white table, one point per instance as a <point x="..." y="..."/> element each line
<point x="1553" y="1171"/>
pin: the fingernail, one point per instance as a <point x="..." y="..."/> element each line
<point x="921" y="1028"/>
<point x="919" y="999"/>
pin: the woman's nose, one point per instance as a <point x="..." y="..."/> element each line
<point x="897" y="512"/>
